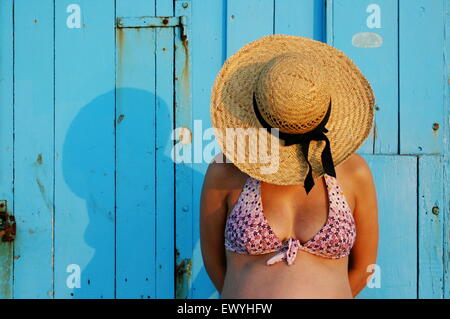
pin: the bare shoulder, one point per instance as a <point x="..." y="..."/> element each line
<point x="223" y="175"/>
<point x="357" y="169"/>
<point x="360" y="181"/>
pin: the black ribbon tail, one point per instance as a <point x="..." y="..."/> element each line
<point x="309" y="181"/>
<point x="327" y="163"/>
<point x="327" y="159"/>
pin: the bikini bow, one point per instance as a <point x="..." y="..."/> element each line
<point x="288" y="252"/>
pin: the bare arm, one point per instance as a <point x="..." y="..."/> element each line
<point x="213" y="209"/>
<point x="364" y="252"/>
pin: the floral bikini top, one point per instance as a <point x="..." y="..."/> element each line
<point x="248" y="232"/>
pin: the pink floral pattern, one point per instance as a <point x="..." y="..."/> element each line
<point x="248" y="232"/>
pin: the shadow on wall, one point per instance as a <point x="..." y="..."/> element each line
<point x="88" y="163"/>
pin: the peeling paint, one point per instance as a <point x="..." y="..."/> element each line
<point x="367" y="40"/>
<point x="182" y="277"/>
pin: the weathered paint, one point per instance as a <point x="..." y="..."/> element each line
<point x="106" y="195"/>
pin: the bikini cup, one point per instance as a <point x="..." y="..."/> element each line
<point x="248" y="232"/>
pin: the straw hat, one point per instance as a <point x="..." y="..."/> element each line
<point x="316" y="97"/>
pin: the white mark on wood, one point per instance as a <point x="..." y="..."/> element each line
<point x="367" y="40"/>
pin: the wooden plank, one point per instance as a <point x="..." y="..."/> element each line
<point x="354" y="22"/>
<point x="84" y="149"/>
<point x="210" y="55"/>
<point x="329" y="5"/>
<point x="247" y="21"/>
<point x="396" y="183"/>
<point x="304" y="18"/>
<point x="446" y="160"/>
<point x="446" y="208"/>
<point x="135" y="156"/>
<point x="183" y="171"/>
<point x="431" y="227"/>
<point x="33" y="149"/>
<point x="165" y="180"/>
<point x="422" y="73"/>
<point x="6" y="138"/>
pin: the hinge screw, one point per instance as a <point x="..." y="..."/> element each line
<point x="185" y="5"/>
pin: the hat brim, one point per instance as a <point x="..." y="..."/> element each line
<point x="350" y="121"/>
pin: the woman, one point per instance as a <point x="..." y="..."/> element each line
<point x="279" y="223"/>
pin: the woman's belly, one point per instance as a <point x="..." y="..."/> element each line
<point x="248" y="277"/>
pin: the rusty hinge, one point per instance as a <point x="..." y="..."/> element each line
<point x="7" y="223"/>
<point x="153" y="22"/>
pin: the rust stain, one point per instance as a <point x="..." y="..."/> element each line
<point x="120" y="119"/>
<point x="120" y="38"/>
<point x="183" y="275"/>
<point x="43" y="194"/>
<point x="435" y="129"/>
<point x="374" y="135"/>
<point x="38" y="161"/>
<point x="186" y="69"/>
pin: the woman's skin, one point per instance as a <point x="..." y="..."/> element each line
<point x="290" y="212"/>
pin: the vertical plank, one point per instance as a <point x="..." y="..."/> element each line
<point x="431" y="227"/>
<point x="84" y="149"/>
<point x="304" y="18"/>
<point x="208" y="57"/>
<point x="183" y="170"/>
<point x="6" y="138"/>
<point x="396" y="184"/>
<point x="33" y="145"/>
<point x="422" y="72"/>
<point x="329" y="5"/>
<point x="446" y="206"/>
<point x="165" y="200"/>
<point x="446" y="160"/>
<point x="135" y="155"/>
<point x="247" y="21"/>
<point x="356" y="32"/>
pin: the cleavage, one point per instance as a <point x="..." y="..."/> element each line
<point x="291" y="215"/>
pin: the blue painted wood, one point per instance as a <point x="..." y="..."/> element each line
<point x="183" y="170"/>
<point x="6" y="138"/>
<point x="350" y="21"/>
<point x="165" y="180"/>
<point x="140" y="246"/>
<point x="431" y="227"/>
<point x="84" y="149"/>
<point x="135" y="157"/>
<point x="422" y="75"/>
<point x="396" y="184"/>
<point x="446" y="160"/>
<point x="248" y="21"/>
<point x="207" y="59"/>
<point x="304" y="18"/>
<point x="33" y="156"/>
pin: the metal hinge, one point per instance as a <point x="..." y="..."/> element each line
<point x="153" y="22"/>
<point x="7" y="223"/>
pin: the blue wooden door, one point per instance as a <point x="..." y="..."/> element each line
<point x="88" y="108"/>
<point x="100" y="104"/>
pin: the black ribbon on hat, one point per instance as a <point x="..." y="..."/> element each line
<point x="317" y="134"/>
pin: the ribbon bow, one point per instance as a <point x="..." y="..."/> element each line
<point x="288" y="252"/>
<point x="317" y="134"/>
